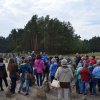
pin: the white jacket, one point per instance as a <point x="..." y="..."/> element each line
<point x="64" y="74"/>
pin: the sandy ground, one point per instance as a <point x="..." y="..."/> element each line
<point x="52" y="95"/>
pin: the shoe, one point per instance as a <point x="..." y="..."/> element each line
<point x="27" y="94"/>
<point x="80" y="93"/>
<point x="2" y="89"/>
<point x="12" y="92"/>
<point x="19" y="92"/>
<point x="85" y="93"/>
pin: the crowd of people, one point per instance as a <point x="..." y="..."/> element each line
<point x="83" y="70"/>
<point x="87" y="75"/>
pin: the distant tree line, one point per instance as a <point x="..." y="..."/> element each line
<point x="50" y="35"/>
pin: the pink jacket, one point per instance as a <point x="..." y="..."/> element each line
<point x="39" y="65"/>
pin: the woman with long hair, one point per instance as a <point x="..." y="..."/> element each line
<point x="13" y="70"/>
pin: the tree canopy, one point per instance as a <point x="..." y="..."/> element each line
<point x="47" y="34"/>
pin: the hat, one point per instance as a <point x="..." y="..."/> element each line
<point x="64" y="62"/>
<point x="53" y="60"/>
<point x="60" y="57"/>
<point x="98" y="62"/>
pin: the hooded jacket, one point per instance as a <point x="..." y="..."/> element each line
<point x="39" y="65"/>
<point x="85" y="74"/>
<point x="64" y="74"/>
<point x="53" y="68"/>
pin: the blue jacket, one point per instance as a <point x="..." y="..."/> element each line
<point x="25" y="68"/>
<point x="53" y="68"/>
<point x="96" y="72"/>
<point x="91" y="70"/>
<point x="44" y="58"/>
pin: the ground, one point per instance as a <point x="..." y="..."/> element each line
<point x="52" y="95"/>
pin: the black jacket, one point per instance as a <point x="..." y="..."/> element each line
<point x="3" y="72"/>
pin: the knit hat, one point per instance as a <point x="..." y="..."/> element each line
<point x="64" y="62"/>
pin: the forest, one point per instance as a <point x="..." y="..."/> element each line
<point x="49" y="35"/>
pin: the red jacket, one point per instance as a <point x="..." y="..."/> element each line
<point x="85" y="74"/>
<point x="93" y="61"/>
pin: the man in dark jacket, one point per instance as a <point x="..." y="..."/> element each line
<point x="3" y="74"/>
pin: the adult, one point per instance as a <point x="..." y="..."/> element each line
<point x="13" y="70"/>
<point x="96" y="75"/>
<point x="39" y="66"/>
<point x="25" y="71"/>
<point x="91" y="67"/>
<point x="3" y="74"/>
<point x="53" y="68"/>
<point x="77" y="59"/>
<point x="85" y="77"/>
<point x="78" y="79"/>
<point x="93" y="60"/>
<point x="64" y="75"/>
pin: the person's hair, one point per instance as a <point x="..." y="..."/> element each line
<point x="87" y="56"/>
<point x="26" y="60"/>
<point x="1" y="59"/>
<point x="12" y="66"/>
<point x="38" y="57"/>
<point x="93" y="57"/>
<point x="86" y="65"/>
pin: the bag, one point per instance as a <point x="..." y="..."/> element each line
<point x="65" y="84"/>
<point x="28" y="76"/>
<point x="55" y="84"/>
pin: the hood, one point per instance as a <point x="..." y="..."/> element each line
<point x="65" y="70"/>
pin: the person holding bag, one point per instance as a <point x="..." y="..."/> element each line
<point x="25" y="71"/>
<point x="64" y="75"/>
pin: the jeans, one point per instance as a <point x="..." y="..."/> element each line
<point x="80" y="85"/>
<point x="96" y="82"/>
<point x="39" y="79"/>
<point x="85" y="87"/>
<point x="77" y="86"/>
<point x="91" y="89"/>
<point x="52" y="77"/>
<point x="22" y="80"/>
<point x="46" y="74"/>
<point x="13" y="84"/>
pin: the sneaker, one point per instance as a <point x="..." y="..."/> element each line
<point x="13" y="92"/>
<point x="19" y="92"/>
<point x="27" y="94"/>
<point x="2" y="89"/>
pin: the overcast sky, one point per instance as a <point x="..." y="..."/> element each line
<point x="84" y="15"/>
